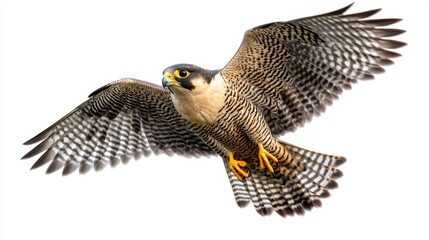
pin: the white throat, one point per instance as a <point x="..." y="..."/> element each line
<point x="203" y="103"/>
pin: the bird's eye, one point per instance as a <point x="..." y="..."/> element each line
<point x="181" y="73"/>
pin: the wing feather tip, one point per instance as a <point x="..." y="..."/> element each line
<point x="337" y="174"/>
<point x="385" y="62"/>
<point x="242" y="203"/>
<point x="54" y="166"/>
<point x="324" y="194"/>
<point x="308" y="205"/>
<point x="317" y="203"/>
<point x="387" y="54"/>
<point x="299" y="210"/>
<point x="340" y="161"/>
<point x="38" y="149"/>
<point x="376" y="69"/>
<point x="339" y="11"/>
<point x="28" y="155"/>
<point x="39" y="137"/>
<point x="45" y="158"/>
<point x="362" y="15"/>
<point x="288" y="210"/>
<point x="387" y="32"/>
<point x="84" y="168"/>
<point x="390" y="44"/>
<point x="69" y="168"/>
<point x="265" y="211"/>
<point x="281" y="212"/>
<point x="114" y="162"/>
<point x="367" y="76"/>
<point x="332" y="185"/>
<point x="99" y="165"/>
<point x="380" y="22"/>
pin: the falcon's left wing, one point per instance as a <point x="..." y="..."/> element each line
<point x="292" y="70"/>
<point x="124" y="119"/>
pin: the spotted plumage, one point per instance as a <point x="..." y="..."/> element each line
<point x="283" y="74"/>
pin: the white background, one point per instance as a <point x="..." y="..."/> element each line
<point x="54" y="53"/>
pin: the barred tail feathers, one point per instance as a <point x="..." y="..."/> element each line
<point x="293" y="193"/>
<point x="320" y="172"/>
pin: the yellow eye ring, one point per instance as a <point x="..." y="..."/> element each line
<point x="181" y="73"/>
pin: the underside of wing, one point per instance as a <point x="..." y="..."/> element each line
<point x="122" y="120"/>
<point x="293" y="70"/>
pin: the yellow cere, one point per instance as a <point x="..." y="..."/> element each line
<point x="168" y="76"/>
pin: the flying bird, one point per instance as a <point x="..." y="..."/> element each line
<point x="282" y="75"/>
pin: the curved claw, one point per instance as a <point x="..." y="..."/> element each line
<point x="236" y="167"/>
<point x="264" y="158"/>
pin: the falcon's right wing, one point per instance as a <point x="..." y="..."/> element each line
<point x="122" y="120"/>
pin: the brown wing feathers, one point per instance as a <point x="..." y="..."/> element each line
<point x="301" y="66"/>
<point x="125" y="119"/>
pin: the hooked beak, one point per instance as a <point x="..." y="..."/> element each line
<point x="168" y="81"/>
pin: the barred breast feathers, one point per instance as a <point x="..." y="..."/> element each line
<point x="203" y="103"/>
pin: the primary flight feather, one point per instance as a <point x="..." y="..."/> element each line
<point x="282" y="75"/>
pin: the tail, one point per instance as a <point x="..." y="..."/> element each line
<point x="292" y="193"/>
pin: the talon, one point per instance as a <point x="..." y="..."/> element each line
<point x="236" y="167"/>
<point x="264" y="158"/>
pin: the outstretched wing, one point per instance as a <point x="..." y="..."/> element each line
<point x="292" y="70"/>
<point x="124" y="119"/>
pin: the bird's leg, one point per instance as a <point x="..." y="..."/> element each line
<point x="236" y="167"/>
<point x="264" y="158"/>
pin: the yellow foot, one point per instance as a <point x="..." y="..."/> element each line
<point x="264" y="158"/>
<point x="235" y="166"/>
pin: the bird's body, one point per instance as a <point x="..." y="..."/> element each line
<point x="283" y="74"/>
<point x="223" y="118"/>
<point x="235" y="128"/>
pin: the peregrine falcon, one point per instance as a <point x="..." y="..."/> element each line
<point x="282" y="75"/>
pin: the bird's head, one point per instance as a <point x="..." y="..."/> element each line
<point x="185" y="78"/>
